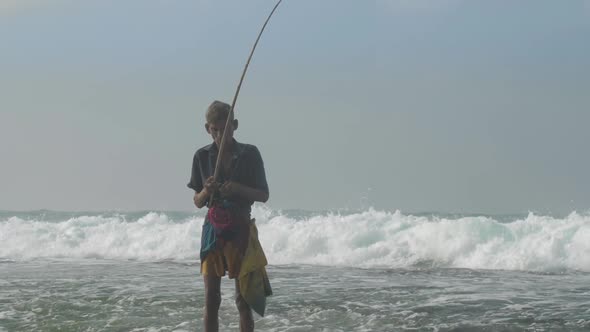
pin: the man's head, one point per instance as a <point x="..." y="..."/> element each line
<point x="217" y="114"/>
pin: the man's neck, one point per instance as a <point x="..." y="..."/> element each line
<point x="228" y="147"/>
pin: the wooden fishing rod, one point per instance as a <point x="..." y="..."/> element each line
<point x="230" y="116"/>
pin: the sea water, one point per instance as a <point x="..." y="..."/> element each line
<point x="330" y="271"/>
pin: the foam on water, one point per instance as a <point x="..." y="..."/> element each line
<point x="151" y="237"/>
<point x="366" y="239"/>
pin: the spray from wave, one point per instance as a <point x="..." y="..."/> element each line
<point x="368" y="239"/>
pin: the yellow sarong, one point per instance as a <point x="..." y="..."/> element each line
<point x="248" y="267"/>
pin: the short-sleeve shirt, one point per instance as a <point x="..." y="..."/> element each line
<point x="247" y="169"/>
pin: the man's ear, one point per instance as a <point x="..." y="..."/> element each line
<point x="235" y="123"/>
<point x="207" y="128"/>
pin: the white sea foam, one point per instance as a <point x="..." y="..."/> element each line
<point x="366" y="239"/>
<point x="151" y="237"/>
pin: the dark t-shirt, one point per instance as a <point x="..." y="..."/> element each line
<point x="247" y="169"/>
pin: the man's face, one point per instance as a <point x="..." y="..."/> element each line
<point x="216" y="131"/>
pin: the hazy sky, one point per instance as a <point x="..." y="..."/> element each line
<point x="417" y="105"/>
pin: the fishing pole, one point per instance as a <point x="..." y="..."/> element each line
<point x="230" y="116"/>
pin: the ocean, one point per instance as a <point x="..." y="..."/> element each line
<point x="367" y="270"/>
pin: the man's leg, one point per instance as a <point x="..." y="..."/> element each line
<point x="246" y="319"/>
<point x="212" y="302"/>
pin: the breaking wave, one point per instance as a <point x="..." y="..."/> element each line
<point x="367" y="239"/>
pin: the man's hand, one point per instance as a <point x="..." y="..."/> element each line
<point x="230" y="188"/>
<point x="210" y="186"/>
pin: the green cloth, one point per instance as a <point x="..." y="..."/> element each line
<point x="208" y="239"/>
<point x="254" y="283"/>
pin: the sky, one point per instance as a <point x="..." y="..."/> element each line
<point x="418" y="105"/>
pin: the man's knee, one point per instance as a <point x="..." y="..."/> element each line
<point x="242" y="304"/>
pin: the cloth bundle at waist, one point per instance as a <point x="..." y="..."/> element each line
<point x="226" y="222"/>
